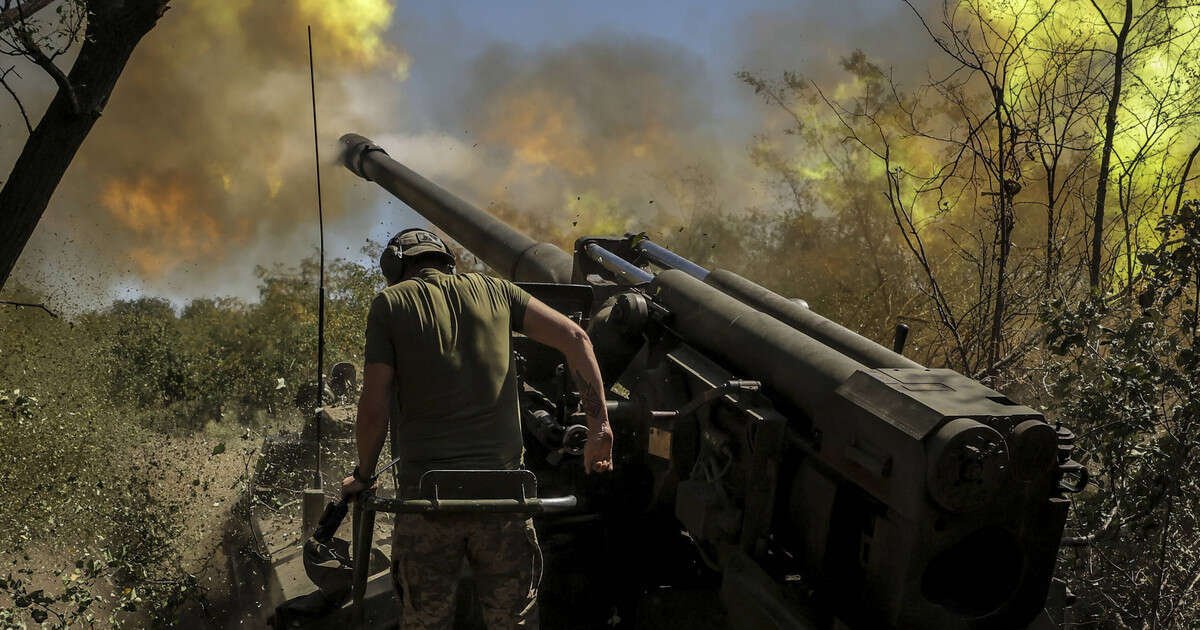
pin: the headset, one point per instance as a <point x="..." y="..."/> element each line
<point x="391" y="260"/>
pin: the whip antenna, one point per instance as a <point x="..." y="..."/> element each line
<point x="312" y="82"/>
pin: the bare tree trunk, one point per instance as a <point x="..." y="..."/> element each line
<point x="1004" y="228"/>
<point x="113" y="30"/>
<point x="1187" y="169"/>
<point x="997" y="332"/>
<point x="1050" y="273"/>
<point x="1110" y="129"/>
<point x="1123" y="203"/>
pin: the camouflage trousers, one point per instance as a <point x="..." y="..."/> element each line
<point x="428" y="550"/>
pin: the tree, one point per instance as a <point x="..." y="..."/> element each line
<point x="954" y="154"/>
<point x="1060" y="75"/>
<point x="109" y="32"/>
<point x="1145" y="28"/>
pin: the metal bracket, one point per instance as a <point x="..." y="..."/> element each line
<point x="1072" y="466"/>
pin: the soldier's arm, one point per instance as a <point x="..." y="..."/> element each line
<point x="371" y="427"/>
<point x="379" y="356"/>
<point x="546" y="325"/>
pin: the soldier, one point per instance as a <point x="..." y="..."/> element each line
<point x="438" y="348"/>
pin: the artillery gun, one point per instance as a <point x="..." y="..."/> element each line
<point x="767" y="458"/>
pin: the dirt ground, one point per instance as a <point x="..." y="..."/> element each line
<point x="199" y="481"/>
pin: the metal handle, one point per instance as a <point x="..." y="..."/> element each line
<point x="367" y="504"/>
<point x="899" y="338"/>
<point x="499" y="506"/>
<point x="707" y="397"/>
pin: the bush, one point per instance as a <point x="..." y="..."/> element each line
<point x="1127" y="378"/>
<point x="86" y="398"/>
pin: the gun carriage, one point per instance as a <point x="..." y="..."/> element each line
<point x="810" y="476"/>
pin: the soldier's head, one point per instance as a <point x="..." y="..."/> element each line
<point x="411" y="250"/>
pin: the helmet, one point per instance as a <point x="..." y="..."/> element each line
<point x="408" y="244"/>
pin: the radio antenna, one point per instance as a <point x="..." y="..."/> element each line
<point x="312" y="82"/>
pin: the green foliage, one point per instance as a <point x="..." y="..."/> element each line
<point x="217" y="359"/>
<point x="85" y="398"/>
<point x="1125" y="378"/>
<point x="150" y="368"/>
<point x="81" y="600"/>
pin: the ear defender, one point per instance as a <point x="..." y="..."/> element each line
<point x="391" y="262"/>
<point x="409" y="243"/>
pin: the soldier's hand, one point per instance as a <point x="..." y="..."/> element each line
<point x="597" y="452"/>
<point x="351" y="487"/>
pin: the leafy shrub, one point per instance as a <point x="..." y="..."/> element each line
<point x="1127" y="377"/>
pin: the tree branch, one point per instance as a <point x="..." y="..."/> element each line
<point x="1104" y="17"/>
<point x="41" y="306"/>
<point x="1187" y="169"/>
<point x="36" y="55"/>
<point x="20" y="106"/>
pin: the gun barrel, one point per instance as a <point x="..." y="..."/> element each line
<point x="823" y="330"/>
<point x="506" y="250"/>
<point x="826" y="331"/>
<point x="793" y="364"/>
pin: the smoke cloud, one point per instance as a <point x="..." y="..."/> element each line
<point x="587" y="138"/>
<point x="617" y="133"/>
<point x="202" y="164"/>
<point x="202" y="167"/>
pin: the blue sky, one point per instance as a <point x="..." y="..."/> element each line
<point x="768" y="35"/>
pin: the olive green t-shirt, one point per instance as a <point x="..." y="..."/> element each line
<point x="449" y="339"/>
